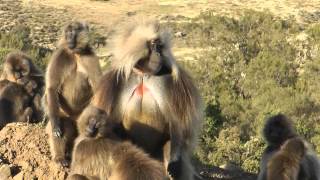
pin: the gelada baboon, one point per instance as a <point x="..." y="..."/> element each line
<point x="99" y="153"/>
<point x="153" y="97"/>
<point x="277" y="130"/>
<point x="285" y="164"/>
<point x="71" y="77"/>
<point x="14" y="103"/>
<point x="19" y="68"/>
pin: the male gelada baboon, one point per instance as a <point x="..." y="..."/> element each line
<point x="14" y="103"/>
<point x="71" y="77"/>
<point x="285" y="164"/>
<point x="100" y="154"/>
<point x="277" y="130"/>
<point x="19" y="68"/>
<point x="153" y="97"/>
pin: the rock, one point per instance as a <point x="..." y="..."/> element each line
<point x="131" y="13"/>
<point x="180" y="34"/>
<point x="5" y="172"/>
<point x="19" y="176"/>
<point x="231" y="167"/>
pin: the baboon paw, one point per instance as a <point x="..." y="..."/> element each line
<point x="92" y="127"/>
<point x="175" y="168"/>
<point x="63" y="162"/>
<point x="57" y="132"/>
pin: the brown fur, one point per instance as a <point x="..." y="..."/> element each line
<point x="71" y="77"/>
<point x="14" y="103"/>
<point x="3" y="83"/>
<point x="285" y="164"/>
<point x="104" y="156"/>
<point x="17" y="65"/>
<point x="170" y="112"/>
<point x="80" y="177"/>
<point x="19" y="68"/>
<point x="281" y="138"/>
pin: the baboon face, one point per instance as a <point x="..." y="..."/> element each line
<point x="144" y="49"/>
<point x="76" y="35"/>
<point x="142" y="53"/>
<point x="154" y="62"/>
<point x="18" y="67"/>
<point x="92" y="122"/>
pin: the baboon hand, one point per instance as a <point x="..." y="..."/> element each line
<point x="57" y="130"/>
<point x="28" y="114"/>
<point x="22" y="81"/>
<point x="175" y="167"/>
<point x="92" y="127"/>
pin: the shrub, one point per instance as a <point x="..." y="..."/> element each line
<point x="248" y="73"/>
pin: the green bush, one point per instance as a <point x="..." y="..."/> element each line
<point x="248" y="73"/>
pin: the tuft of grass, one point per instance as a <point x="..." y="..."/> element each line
<point x="18" y="39"/>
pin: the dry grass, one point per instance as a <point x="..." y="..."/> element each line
<point x="108" y="12"/>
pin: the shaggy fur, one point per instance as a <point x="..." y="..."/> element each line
<point x="102" y="155"/>
<point x="72" y="76"/>
<point x="171" y="108"/>
<point x="285" y="164"/>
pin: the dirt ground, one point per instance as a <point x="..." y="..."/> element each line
<point x="25" y="150"/>
<point x="25" y="155"/>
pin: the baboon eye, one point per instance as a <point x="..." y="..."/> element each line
<point x="156" y="45"/>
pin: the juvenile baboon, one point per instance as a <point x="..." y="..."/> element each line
<point x="277" y="130"/>
<point x="152" y="96"/>
<point x="285" y="164"/>
<point x="71" y="77"/>
<point x="19" y="68"/>
<point x="100" y="154"/>
<point x="14" y="103"/>
<point x="18" y="65"/>
<point x="29" y="84"/>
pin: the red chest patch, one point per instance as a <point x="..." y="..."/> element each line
<point x="141" y="89"/>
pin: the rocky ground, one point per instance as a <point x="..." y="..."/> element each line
<point x="43" y="23"/>
<point x="25" y="155"/>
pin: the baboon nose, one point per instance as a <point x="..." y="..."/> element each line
<point x="150" y="65"/>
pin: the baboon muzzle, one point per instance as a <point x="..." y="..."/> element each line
<point x="154" y="63"/>
<point x="71" y="40"/>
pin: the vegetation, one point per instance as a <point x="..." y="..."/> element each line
<point x="18" y="39"/>
<point x="252" y="68"/>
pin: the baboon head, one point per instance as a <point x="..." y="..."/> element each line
<point x="143" y="47"/>
<point x="76" y="36"/>
<point x="144" y="66"/>
<point x="295" y="146"/>
<point x="93" y="122"/>
<point x="278" y="129"/>
<point x="17" y="65"/>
